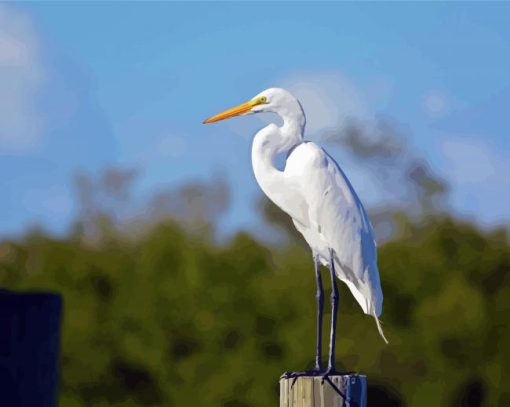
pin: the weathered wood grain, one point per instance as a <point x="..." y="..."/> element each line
<point x="308" y="391"/>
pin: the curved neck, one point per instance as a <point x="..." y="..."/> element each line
<point x="267" y="144"/>
<point x="273" y="140"/>
<point x="293" y="126"/>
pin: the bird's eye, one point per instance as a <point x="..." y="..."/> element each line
<point x="263" y="99"/>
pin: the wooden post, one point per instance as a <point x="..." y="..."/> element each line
<point x="308" y="391"/>
<point x="29" y="348"/>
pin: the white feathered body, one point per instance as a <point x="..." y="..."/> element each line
<point x="337" y="221"/>
<point x="316" y="194"/>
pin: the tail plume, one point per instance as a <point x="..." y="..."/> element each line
<point x="379" y="328"/>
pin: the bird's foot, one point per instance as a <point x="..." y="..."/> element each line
<point x="332" y="372"/>
<point x="297" y="375"/>
<point x="314" y="373"/>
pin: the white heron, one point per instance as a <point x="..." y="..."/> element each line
<point x="316" y="194"/>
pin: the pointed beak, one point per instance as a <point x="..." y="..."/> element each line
<point x="235" y="111"/>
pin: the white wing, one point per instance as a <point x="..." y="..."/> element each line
<point x="337" y="221"/>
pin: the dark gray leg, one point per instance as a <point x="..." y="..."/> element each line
<point x="334" y="312"/>
<point x="320" y="309"/>
<point x="316" y="371"/>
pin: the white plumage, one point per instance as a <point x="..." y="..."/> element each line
<point x="316" y="194"/>
<point x="338" y="221"/>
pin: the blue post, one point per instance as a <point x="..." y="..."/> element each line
<point x="29" y="349"/>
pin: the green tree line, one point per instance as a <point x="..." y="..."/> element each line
<point x="173" y="319"/>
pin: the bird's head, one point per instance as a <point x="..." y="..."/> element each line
<point x="274" y="100"/>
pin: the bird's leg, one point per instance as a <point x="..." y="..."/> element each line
<point x="334" y="312"/>
<point x="317" y="371"/>
<point x="320" y="309"/>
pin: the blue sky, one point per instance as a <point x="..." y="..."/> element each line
<point x="87" y="85"/>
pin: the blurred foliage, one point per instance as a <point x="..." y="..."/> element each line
<point x="173" y="320"/>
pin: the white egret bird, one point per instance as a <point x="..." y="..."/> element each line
<point x="316" y="194"/>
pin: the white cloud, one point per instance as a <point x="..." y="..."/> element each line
<point x="21" y="76"/>
<point x="328" y="98"/>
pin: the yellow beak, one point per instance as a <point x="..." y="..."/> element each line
<point x="235" y="111"/>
